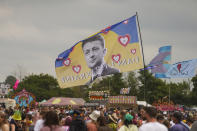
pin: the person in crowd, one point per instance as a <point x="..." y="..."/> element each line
<point x="135" y="117"/>
<point x="189" y="122"/>
<point x="101" y="124"/>
<point x="121" y="118"/>
<point x="167" y="124"/>
<point x="77" y="124"/>
<point x="15" y="122"/>
<point x="128" y="124"/>
<point x="91" y="126"/>
<point x="40" y="122"/>
<point x="160" y="118"/>
<point x="61" y="114"/>
<point x="112" y="122"/>
<point x="4" y="125"/>
<point x="28" y="122"/>
<point x="68" y="121"/>
<point x="142" y="118"/>
<point x="152" y="124"/>
<point x="194" y="126"/>
<point x="51" y="122"/>
<point x="179" y="125"/>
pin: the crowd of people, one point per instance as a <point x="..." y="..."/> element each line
<point x="95" y="119"/>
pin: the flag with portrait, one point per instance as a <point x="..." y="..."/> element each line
<point x="115" y="49"/>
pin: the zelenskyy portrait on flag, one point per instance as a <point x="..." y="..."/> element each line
<point x="113" y="50"/>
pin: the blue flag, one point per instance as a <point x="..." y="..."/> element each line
<point x="184" y="69"/>
<point x="161" y="62"/>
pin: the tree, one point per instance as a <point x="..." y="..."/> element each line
<point x="112" y="83"/>
<point x="10" y="80"/>
<point x="194" y="91"/>
<point x="154" y="88"/>
<point x="133" y="83"/>
<point x="116" y="83"/>
<point x="43" y="86"/>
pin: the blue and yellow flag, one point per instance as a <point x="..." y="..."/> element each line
<point x="114" y="49"/>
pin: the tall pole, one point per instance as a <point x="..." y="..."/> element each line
<point x="142" y="56"/>
<point x="169" y="91"/>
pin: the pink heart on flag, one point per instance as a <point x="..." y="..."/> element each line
<point x="77" y="68"/>
<point x="133" y="51"/>
<point x="124" y="40"/>
<point x="116" y="58"/>
<point x="67" y="62"/>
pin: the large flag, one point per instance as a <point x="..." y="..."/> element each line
<point x="184" y="69"/>
<point x="112" y="50"/>
<point x="161" y="62"/>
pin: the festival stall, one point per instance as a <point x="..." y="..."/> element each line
<point x="7" y="102"/>
<point x="122" y="101"/>
<point x="64" y="101"/>
<point x="24" y="99"/>
<point x="98" y="98"/>
<point x="167" y="106"/>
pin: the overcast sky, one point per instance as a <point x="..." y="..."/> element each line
<point x="33" y="33"/>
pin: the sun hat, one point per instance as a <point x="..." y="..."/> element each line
<point x="94" y="115"/>
<point x="17" y="115"/>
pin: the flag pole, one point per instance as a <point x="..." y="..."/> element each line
<point x="142" y="55"/>
<point x="169" y="91"/>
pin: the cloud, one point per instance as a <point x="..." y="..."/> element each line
<point x="33" y="33"/>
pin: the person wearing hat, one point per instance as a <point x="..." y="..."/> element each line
<point x="128" y="124"/>
<point x="179" y="125"/>
<point x="14" y="126"/>
<point x="91" y="126"/>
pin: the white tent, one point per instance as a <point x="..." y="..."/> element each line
<point x="143" y="103"/>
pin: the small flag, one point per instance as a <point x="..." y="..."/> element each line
<point x="16" y="85"/>
<point x="184" y="69"/>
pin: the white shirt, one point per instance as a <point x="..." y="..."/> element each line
<point x="153" y="126"/>
<point x="39" y="124"/>
<point x="172" y="123"/>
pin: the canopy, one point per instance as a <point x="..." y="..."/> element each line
<point x="63" y="101"/>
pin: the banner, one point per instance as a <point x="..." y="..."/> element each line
<point x="122" y="100"/>
<point x="98" y="95"/>
<point x="113" y="50"/>
<point x="184" y="69"/>
<point x="124" y="91"/>
<point x="161" y="62"/>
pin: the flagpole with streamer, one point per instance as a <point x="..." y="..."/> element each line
<point x="142" y="56"/>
